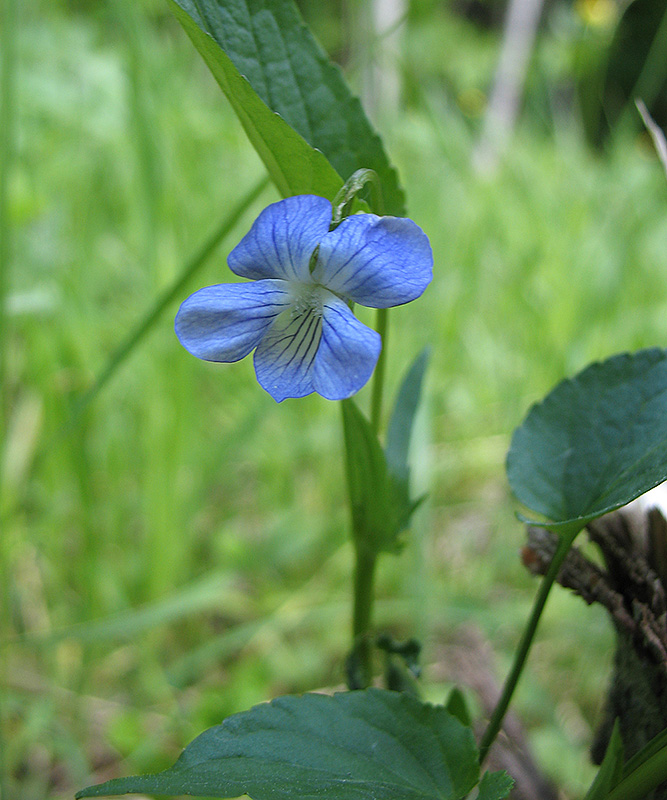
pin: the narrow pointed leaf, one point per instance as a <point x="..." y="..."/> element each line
<point x="380" y="502"/>
<point x="458" y="707"/>
<point x="270" y="66"/>
<point x="294" y="165"/>
<point x="401" y="423"/>
<point x="649" y="750"/>
<point x="595" y="443"/>
<point x="348" y="746"/>
<point x="611" y="769"/>
<point x="369" y="486"/>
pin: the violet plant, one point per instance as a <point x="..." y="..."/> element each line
<point x="339" y="237"/>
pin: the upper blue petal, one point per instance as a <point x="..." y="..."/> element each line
<point x="282" y="239"/>
<point x="284" y="358"/>
<point x="347" y="353"/>
<point x="227" y="321"/>
<point x="375" y="261"/>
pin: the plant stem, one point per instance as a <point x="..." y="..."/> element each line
<point x="382" y="327"/>
<point x="360" y="667"/>
<point x="564" y="544"/>
<point x="360" y="663"/>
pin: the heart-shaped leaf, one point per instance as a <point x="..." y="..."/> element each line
<point x="595" y="443"/>
<point x="349" y="746"/>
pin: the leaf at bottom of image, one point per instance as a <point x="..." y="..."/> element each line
<point x="346" y="746"/>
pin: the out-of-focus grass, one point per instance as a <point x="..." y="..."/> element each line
<point x="182" y="554"/>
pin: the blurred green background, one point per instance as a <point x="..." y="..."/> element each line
<point x="179" y="552"/>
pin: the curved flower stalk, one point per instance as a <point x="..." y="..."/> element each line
<point x="295" y="313"/>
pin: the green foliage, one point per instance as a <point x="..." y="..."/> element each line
<point x="401" y="422"/>
<point x="456" y="705"/>
<point x="380" y="505"/>
<point x="611" y="768"/>
<point x="556" y="260"/>
<point x="347" y="746"/>
<point x="644" y="771"/>
<point x="294" y="166"/>
<point x="379" y="480"/>
<point x="596" y="442"/>
<point x="274" y="72"/>
<point x="494" y="785"/>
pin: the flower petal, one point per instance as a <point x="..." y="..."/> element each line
<point x="284" y="357"/>
<point x="227" y="321"/>
<point x="347" y="353"/>
<point x="375" y="261"/>
<point x="282" y="239"/>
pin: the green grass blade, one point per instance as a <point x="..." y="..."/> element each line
<point x="168" y="296"/>
<point x="8" y="32"/>
<point x="146" y="324"/>
<point x="195" y="598"/>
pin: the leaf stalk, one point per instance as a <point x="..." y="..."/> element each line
<point x="521" y="655"/>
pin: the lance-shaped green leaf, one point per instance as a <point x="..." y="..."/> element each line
<point x="401" y="422"/>
<point x="294" y="165"/>
<point x="374" y="514"/>
<point x="349" y="746"/>
<point x="611" y="769"/>
<point x="268" y="63"/>
<point x="595" y="443"/>
<point x="379" y="498"/>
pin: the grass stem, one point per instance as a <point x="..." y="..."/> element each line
<point x="8" y="33"/>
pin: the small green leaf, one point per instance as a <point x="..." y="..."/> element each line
<point x="294" y="165"/>
<point x="611" y="769"/>
<point x="656" y="744"/>
<point x="595" y="443"/>
<point x="349" y="746"/>
<point x="399" y="430"/>
<point x="458" y="707"/>
<point x="642" y="773"/>
<point x="380" y="502"/>
<point x="495" y="786"/>
<point x="288" y="77"/>
<point x="374" y="521"/>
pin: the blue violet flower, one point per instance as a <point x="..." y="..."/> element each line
<point x="295" y="313"/>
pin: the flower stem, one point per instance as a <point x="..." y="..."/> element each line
<point x="382" y="327"/>
<point x="360" y="661"/>
<point x="521" y="655"/>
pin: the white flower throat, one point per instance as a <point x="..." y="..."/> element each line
<point x="307" y="298"/>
